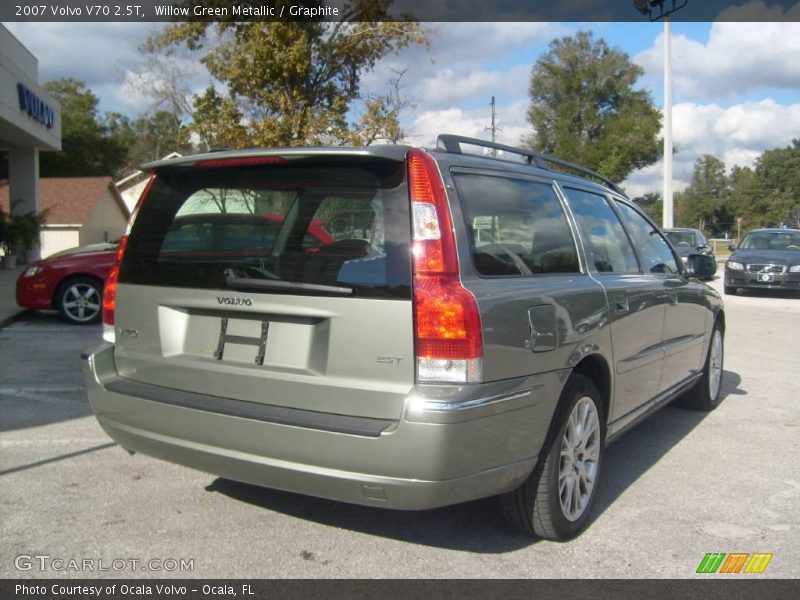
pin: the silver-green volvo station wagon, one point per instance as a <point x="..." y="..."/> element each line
<point x="399" y="327"/>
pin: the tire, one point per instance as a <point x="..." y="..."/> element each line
<point x="730" y="290"/>
<point x="537" y="507"/>
<point x="705" y="395"/>
<point x="79" y="300"/>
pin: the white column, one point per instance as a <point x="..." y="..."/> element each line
<point x="667" y="216"/>
<point x="23" y="178"/>
<point x="23" y="181"/>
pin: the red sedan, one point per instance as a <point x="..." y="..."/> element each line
<point x="72" y="281"/>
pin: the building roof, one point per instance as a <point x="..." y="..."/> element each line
<point x="68" y="200"/>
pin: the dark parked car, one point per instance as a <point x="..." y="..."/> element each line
<point x="766" y="259"/>
<point x="688" y="241"/>
<point x="480" y="326"/>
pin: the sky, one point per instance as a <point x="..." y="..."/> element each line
<point x="736" y="89"/>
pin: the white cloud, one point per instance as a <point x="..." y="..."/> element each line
<point x="92" y="52"/>
<point x="736" y="134"/>
<point x="737" y="58"/>
<point x="450" y="88"/>
<point x="471" y="123"/>
<point x="748" y="127"/>
<point x="463" y="51"/>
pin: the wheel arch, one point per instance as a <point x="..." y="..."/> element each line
<point x="720" y="318"/>
<point x="596" y="368"/>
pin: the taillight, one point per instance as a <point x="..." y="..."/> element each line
<point x="110" y="287"/>
<point x="448" y="336"/>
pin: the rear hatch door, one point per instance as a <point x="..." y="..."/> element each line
<point x="283" y="280"/>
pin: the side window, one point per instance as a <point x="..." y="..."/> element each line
<point x="607" y="247"/>
<point x="652" y="246"/>
<point x="518" y="227"/>
<point x="189" y="236"/>
<point x="253" y="236"/>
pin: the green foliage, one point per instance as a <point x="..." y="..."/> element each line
<point x="584" y="108"/>
<point x="28" y="226"/>
<point x="652" y="204"/>
<point x="90" y="145"/>
<point x="766" y="196"/>
<point x="293" y="83"/>
<point x="777" y="185"/>
<point x="218" y="122"/>
<point x="705" y="204"/>
<point x="21" y="228"/>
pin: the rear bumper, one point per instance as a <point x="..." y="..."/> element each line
<point x="445" y="448"/>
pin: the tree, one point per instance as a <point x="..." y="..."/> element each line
<point x="218" y="122"/>
<point x="652" y="204"/>
<point x="91" y="145"/>
<point x="584" y="108"/>
<point x="156" y="135"/>
<point x="706" y="204"/>
<point x="294" y="83"/>
<point x="777" y="185"/>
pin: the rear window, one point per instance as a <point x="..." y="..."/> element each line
<point x="334" y="226"/>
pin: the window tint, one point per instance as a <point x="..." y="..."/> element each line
<point x="683" y="238"/>
<point x="771" y="241"/>
<point x="517" y="227"/>
<point x="333" y="222"/>
<point x="653" y="248"/>
<point x="191" y="236"/>
<point x="607" y="247"/>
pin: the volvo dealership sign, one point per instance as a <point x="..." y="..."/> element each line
<point x="35" y="106"/>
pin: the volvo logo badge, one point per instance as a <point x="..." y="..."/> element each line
<point x="234" y="301"/>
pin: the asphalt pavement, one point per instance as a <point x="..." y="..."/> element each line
<point x="680" y="485"/>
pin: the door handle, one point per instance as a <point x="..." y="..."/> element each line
<point x="621" y="307"/>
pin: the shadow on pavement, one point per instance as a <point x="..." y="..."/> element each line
<point x="41" y="380"/>
<point x="479" y="526"/>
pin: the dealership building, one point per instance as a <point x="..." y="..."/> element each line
<point x="30" y="121"/>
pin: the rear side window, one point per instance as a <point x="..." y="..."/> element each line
<point x="340" y="223"/>
<point x="607" y="247"/>
<point x="517" y="227"/>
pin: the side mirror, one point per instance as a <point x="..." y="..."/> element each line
<point x="701" y="266"/>
<point x="731" y="247"/>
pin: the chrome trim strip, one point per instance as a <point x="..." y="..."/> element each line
<point x="420" y="404"/>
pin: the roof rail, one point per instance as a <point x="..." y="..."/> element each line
<point x="452" y="144"/>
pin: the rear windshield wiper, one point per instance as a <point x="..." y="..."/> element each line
<point x="235" y="280"/>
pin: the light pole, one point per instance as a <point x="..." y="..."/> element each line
<point x="668" y="209"/>
<point x="661" y="9"/>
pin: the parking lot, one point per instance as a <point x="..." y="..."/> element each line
<point x="678" y="486"/>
